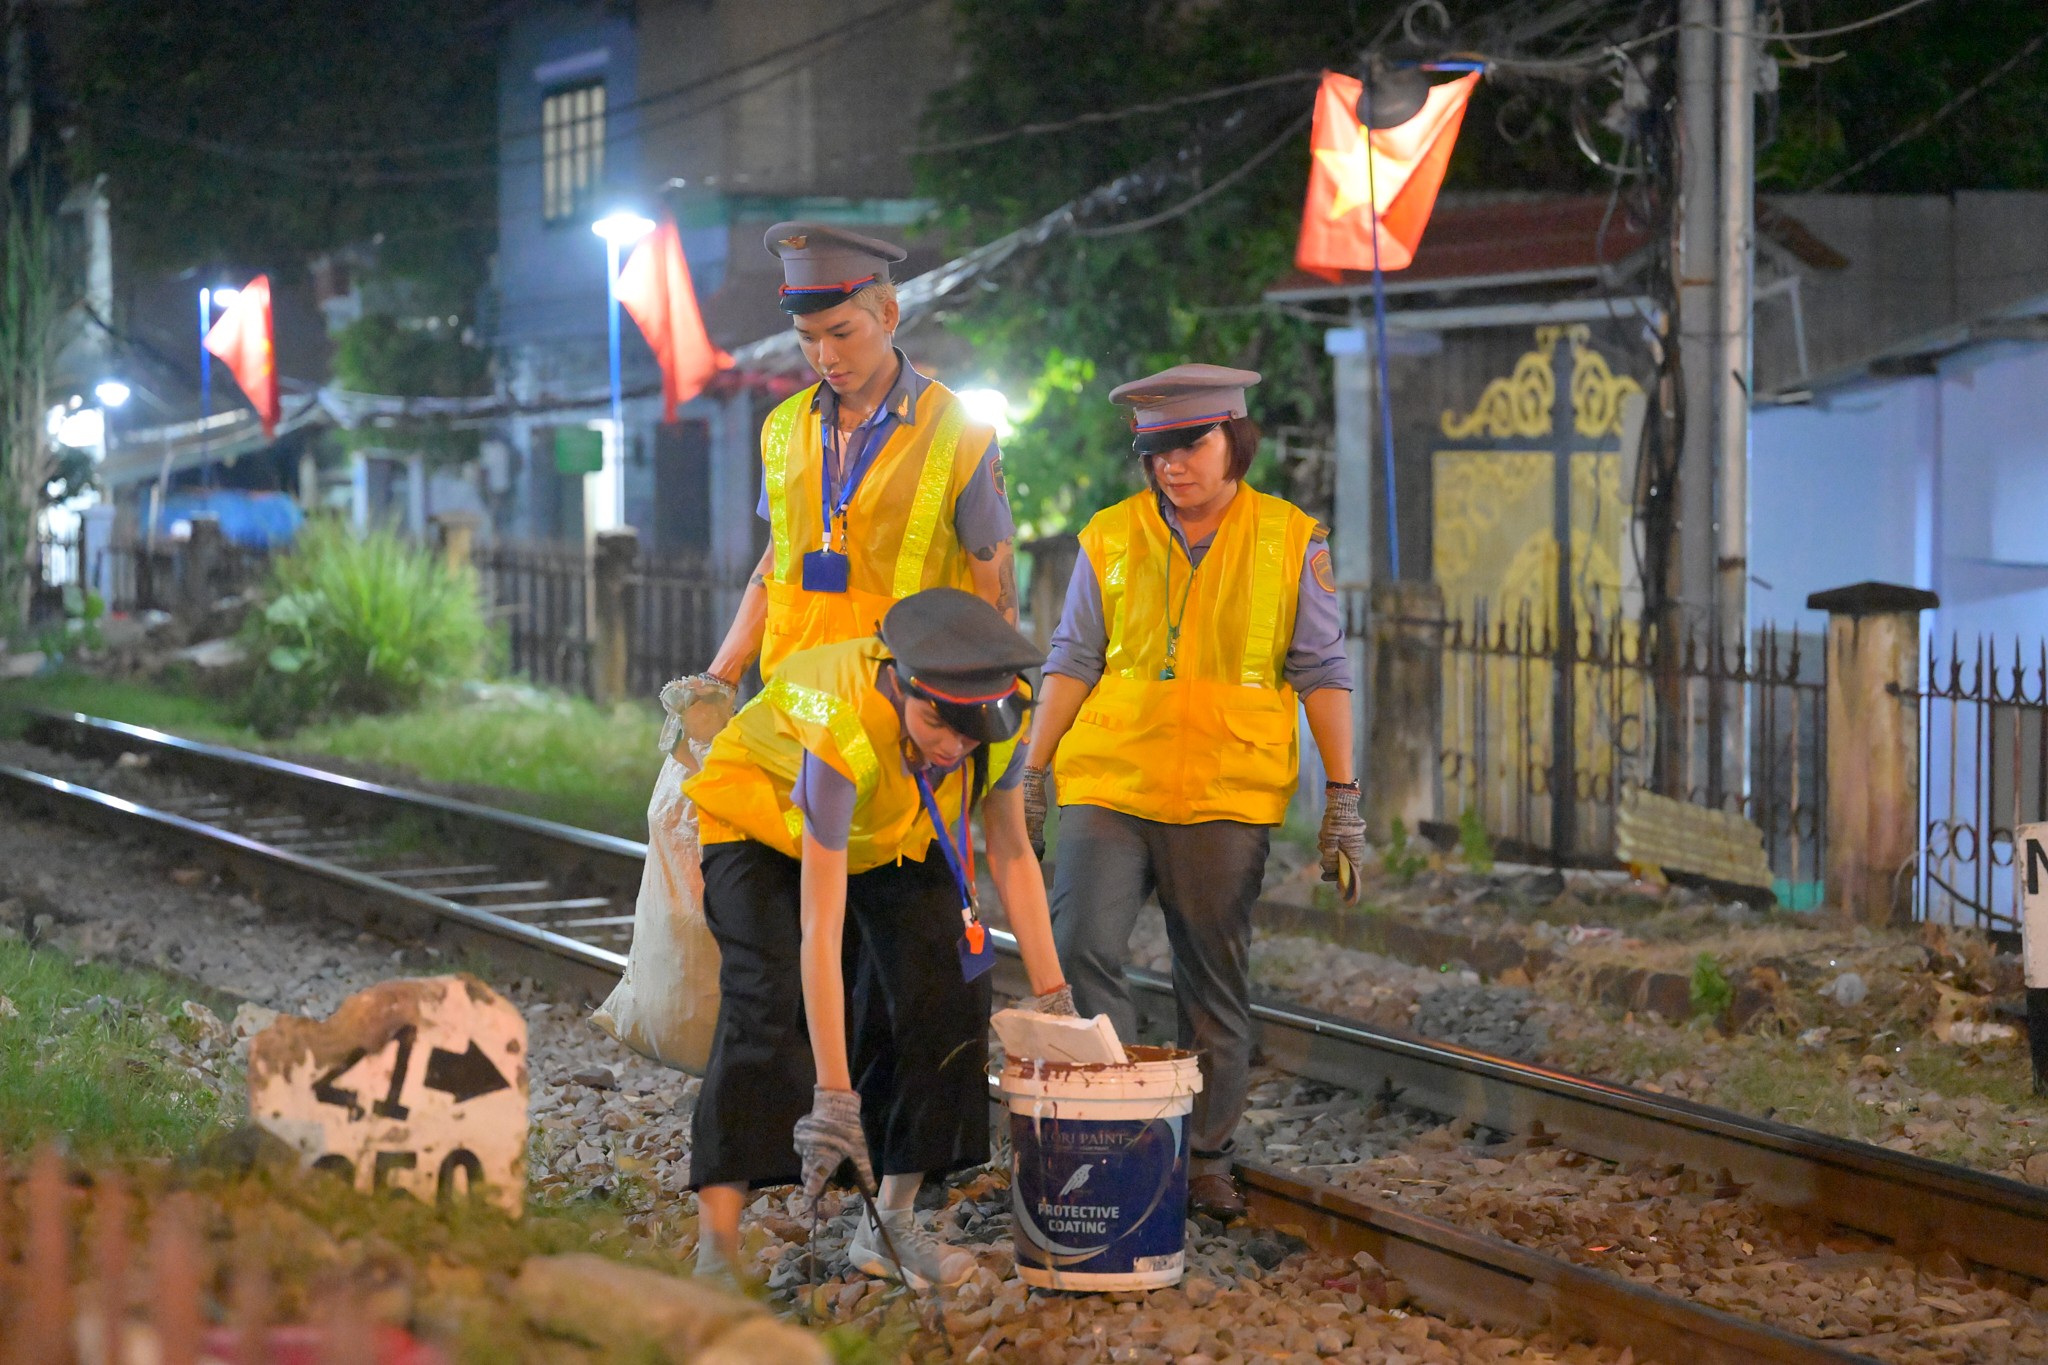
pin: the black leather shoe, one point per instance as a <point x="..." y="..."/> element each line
<point x="1216" y="1195"/>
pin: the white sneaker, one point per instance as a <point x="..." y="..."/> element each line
<point x="715" y="1270"/>
<point x="926" y="1260"/>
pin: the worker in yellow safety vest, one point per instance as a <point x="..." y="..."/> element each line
<point x="820" y="806"/>
<point x="874" y="482"/>
<point x="1199" y="610"/>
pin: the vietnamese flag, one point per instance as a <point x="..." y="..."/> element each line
<point x="654" y="286"/>
<point x="242" y="339"/>
<point x="1346" y="195"/>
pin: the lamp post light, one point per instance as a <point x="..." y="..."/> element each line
<point x="209" y="300"/>
<point x="619" y="228"/>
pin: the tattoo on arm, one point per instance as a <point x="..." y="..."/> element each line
<point x="986" y="553"/>
<point x="1006" y="574"/>
<point x="759" y="580"/>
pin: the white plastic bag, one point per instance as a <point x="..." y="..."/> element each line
<point x="666" y="1005"/>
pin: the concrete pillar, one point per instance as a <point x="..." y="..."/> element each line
<point x="612" y="613"/>
<point x="359" y="491"/>
<point x="1404" y="771"/>
<point x="416" y="509"/>
<point x="1873" y="763"/>
<point x="198" y="583"/>
<point x="455" y="535"/>
<point x="1052" y="568"/>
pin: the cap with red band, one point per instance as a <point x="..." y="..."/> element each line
<point x="960" y="654"/>
<point x="1172" y="407"/>
<point x="823" y="266"/>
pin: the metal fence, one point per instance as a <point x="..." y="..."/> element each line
<point x="1983" y="772"/>
<point x="1542" y="737"/>
<point x="680" y="608"/>
<point x="539" y="594"/>
<point x="172" y="575"/>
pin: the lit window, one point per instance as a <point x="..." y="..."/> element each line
<point x="571" y="150"/>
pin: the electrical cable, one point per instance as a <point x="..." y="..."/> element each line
<point x="1927" y="123"/>
<point x="845" y="30"/>
<point x="1204" y="195"/>
<point x="1112" y="115"/>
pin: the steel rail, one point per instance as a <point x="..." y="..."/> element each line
<point x="1449" y="1270"/>
<point x="1914" y="1202"/>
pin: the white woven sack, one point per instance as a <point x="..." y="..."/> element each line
<point x="666" y="1005"/>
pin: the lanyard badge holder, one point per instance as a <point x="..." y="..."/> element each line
<point x="829" y="569"/>
<point x="977" y="953"/>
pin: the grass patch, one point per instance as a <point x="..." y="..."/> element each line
<point x="102" y="1079"/>
<point x="572" y="761"/>
<point x="1774" y="1078"/>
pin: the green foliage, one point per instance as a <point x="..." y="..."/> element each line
<point x="1402" y="861"/>
<point x="355" y="624"/>
<point x="95" y="1076"/>
<point x="1833" y="114"/>
<point x="261" y="132"/>
<point x="381" y="353"/>
<point x="1711" y="992"/>
<point x="1474" y="842"/>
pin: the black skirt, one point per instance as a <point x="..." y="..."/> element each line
<point x="917" y="1033"/>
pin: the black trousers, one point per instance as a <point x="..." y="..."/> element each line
<point x="917" y="1033"/>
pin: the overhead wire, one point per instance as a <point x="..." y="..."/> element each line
<point x="1928" y="122"/>
<point x="1203" y="196"/>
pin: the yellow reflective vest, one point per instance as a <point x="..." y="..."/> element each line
<point x="824" y="701"/>
<point x="1217" y="740"/>
<point x="899" y="527"/>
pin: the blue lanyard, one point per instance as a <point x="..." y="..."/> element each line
<point x="871" y="445"/>
<point x="962" y="868"/>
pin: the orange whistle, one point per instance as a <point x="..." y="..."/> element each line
<point x="976" y="937"/>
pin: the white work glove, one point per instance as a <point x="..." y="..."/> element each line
<point x="703" y="690"/>
<point x="1343" y="831"/>
<point x="829" y="1136"/>
<point x="1058" y="1000"/>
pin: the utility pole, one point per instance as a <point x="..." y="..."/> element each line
<point x="1736" y="269"/>
<point x="1689" y="583"/>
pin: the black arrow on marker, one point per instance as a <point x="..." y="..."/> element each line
<point x="464" y="1075"/>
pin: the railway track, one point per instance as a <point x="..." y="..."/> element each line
<point x="554" y="903"/>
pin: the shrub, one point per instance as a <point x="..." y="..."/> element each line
<point x="1712" y="993"/>
<point x="1474" y="842"/>
<point x="1401" y="861"/>
<point x="360" y="624"/>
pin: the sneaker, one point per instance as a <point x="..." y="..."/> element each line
<point x="926" y="1260"/>
<point x="713" y="1269"/>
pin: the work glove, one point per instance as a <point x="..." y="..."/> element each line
<point x="1035" y="796"/>
<point x="1058" y="1000"/>
<point x="1343" y="832"/>
<point x="700" y="704"/>
<point x="829" y="1135"/>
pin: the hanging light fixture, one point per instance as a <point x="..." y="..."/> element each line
<point x="1390" y="95"/>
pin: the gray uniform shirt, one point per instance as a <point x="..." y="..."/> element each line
<point x="981" y="516"/>
<point x="1316" y="657"/>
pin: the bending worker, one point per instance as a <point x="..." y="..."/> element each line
<point x="874" y="484"/>
<point x="1198" y="611"/>
<point x="819" y="807"/>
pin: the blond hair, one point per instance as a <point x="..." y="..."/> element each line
<point x="873" y="296"/>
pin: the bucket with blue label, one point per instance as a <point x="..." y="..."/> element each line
<point x="1099" y="1169"/>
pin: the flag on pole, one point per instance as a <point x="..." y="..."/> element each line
<point x="242" y="339"/>
<point x="654" y="286"/>
<point x="1347" y="197"/>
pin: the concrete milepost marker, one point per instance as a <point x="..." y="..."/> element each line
<point x="418" y="1084"/>
<point x="2031" y="850"/>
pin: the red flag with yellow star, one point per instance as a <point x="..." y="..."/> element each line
<point x="1406" y="170"/>
<point x="242" y="339"/>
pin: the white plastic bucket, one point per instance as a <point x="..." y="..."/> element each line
<point x="1099" y="1169"/>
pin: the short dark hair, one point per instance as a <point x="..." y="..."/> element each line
<point x="1243" y="436"/>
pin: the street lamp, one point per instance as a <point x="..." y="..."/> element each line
<point x="112" y="393"/>
<point x="209" y="300"/>
<point x="619" y="228"/>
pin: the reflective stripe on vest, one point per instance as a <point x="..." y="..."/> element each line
<point x="808" y="705"/>
<point x="775" y="456"/>
<point x="1268" y="584"/>
<point x="932" y="483"/>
